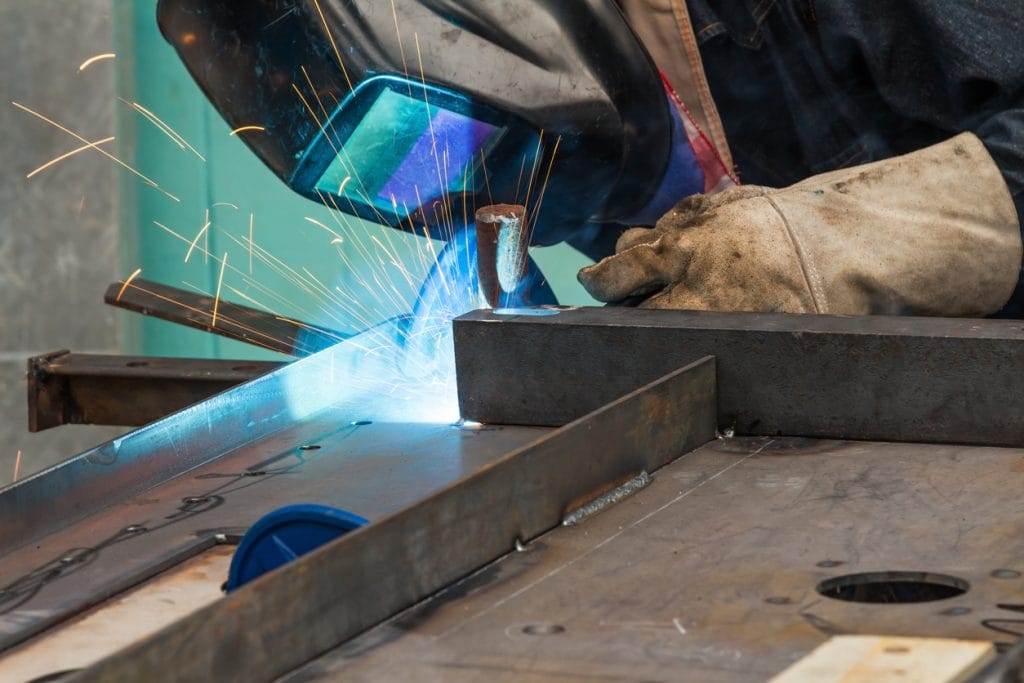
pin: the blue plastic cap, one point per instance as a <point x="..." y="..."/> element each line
<point x="285" y="534"/>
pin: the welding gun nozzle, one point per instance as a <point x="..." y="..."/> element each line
<point x="501" y="247"/>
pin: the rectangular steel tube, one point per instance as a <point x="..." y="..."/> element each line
<point x="343" y="588"/>
<point x="80" y="388"/>
<point x="875" y="378"/>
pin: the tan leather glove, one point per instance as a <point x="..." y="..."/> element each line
<point x="934" y="232"/>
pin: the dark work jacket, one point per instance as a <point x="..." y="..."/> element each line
<point x="808" y="86"/>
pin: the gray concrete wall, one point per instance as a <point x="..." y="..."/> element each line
<point x="58" y="231"/>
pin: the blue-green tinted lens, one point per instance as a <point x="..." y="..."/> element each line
<point x="407" y="153"/>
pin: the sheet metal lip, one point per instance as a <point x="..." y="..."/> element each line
<point x="867" y="325"/>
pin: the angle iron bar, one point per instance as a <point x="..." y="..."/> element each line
<point x="83" y="388"/>
<point x="127" y="465"/>
<point x="324" y="598"/>
<point x="234" y="321"/>
<point x="875" y="378"/>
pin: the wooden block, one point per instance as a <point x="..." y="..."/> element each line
<point x="889" y="659"/>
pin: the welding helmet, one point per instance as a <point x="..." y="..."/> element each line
<point x="413" y="113"/>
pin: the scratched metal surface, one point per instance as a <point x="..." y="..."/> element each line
<point x="709" y="573"/>
<point x="370" y="469"/>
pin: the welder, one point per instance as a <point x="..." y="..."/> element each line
<point x="880" y="145"/>
<point x="895" y="130"/>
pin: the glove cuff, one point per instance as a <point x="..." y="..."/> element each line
<point x="934" y="232"/>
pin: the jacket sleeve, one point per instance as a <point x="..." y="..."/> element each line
<point x="947" y="64"/>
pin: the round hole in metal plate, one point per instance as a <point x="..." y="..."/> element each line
<point x="543" y="629"/>
<point x="137" y="363"/>
<point x="893" y="587"/>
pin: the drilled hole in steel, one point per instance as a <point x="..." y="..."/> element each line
<point x="1005" y="574"/>
<point x="543" y="629"/>
<point x="309" y="447"/>
<point x="955" y="611"/>
<point x="828" y="564"/>
<point x="137" y="363"/>
<point x="893" y="587"/>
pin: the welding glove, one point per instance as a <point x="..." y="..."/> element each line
<point x="934" y="232"/>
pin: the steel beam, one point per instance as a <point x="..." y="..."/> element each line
<point x="873" y="378"/>
<point x="234" y="321"/>
<point x="79" y="388"/>
<point x="340" y="590"/>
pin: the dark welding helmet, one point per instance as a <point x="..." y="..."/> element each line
<point x="414" y="112"/>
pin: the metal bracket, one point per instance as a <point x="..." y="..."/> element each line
<point x="79" y="388"/>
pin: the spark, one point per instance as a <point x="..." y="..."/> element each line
<point x="246" y="129"/>
<point x="533" y="169"/>
<point x="319" y="101"/>
<point x="487" y="181"/>
<point x="294" y="10"/>
<point x="152" y="183"/>
<point x="401" y="48"/>
<point x="62" y="157"/>
<point x="166" y="129"/>
<point x="430" y="120"/>
<point x="199" y="234"/>
<point x="128" y="282"/>
<point x="96" y="58"/>
<point x="17" y="466"/>
<point x="543" y="189"/>
<point x="334" y="45"/>
<point x="220" y="282"/>
<point x="321" y="225"/>
<point x="242" y="295"/>
<point x="252" y="217"/>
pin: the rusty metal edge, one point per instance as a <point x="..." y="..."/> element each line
<point x="46" y="400"/>
<point x="81" y="388"/>
<point x="323" y="599"/>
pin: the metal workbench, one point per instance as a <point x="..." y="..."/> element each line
<point x="682" y="496"/>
